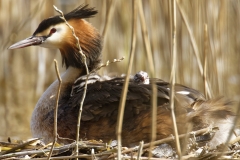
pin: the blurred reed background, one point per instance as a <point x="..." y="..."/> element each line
<point x="26" y="73"/>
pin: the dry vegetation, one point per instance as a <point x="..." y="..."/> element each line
<point x="213" y="26"/>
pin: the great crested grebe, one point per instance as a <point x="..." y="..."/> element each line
<point x="100" y="107"/>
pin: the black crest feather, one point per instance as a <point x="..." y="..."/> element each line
<point x="83" y="11"/>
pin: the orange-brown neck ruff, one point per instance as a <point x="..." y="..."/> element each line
<point x="90" y="42"/>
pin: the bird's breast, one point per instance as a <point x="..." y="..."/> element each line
<point x="42" y="116"/>
<point x="45" y="104"/>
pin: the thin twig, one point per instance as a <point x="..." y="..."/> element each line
<point x="143" y="158"/>
<point x="87" y="71"/>
<point x="55" y="134"/>
<point x="107" y="63"/>
<point x="125" y="86"/>
<point x="43" y="147"/>
<point x="173" y="75"/>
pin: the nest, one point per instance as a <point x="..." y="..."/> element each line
<point x="194" y="146"/>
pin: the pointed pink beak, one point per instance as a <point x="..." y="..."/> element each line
<point x="27" y="42"/>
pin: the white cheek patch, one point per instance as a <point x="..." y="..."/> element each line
<point x="57" y="38"/>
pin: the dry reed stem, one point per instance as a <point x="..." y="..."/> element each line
<point x="154" y="117"/>
<point x="173" y="76"/>
<point x="152" y="74"/>
<point x="205" y="60"/>
<point x="55" y="134"/>
<point x="87" y="71"/>
<point x="237" y="139"/>
<point x="194" y="45"/>
<point x="146" y="40"/>
<point x="125" y="86"/>
<point x="140" y="150"/>
<point x="109" y="17"/>
<point x="93" y="156"/>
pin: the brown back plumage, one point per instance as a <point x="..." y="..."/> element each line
<point x="100" y="108"/>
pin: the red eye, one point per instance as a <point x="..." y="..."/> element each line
<point x="53" y="30"/>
